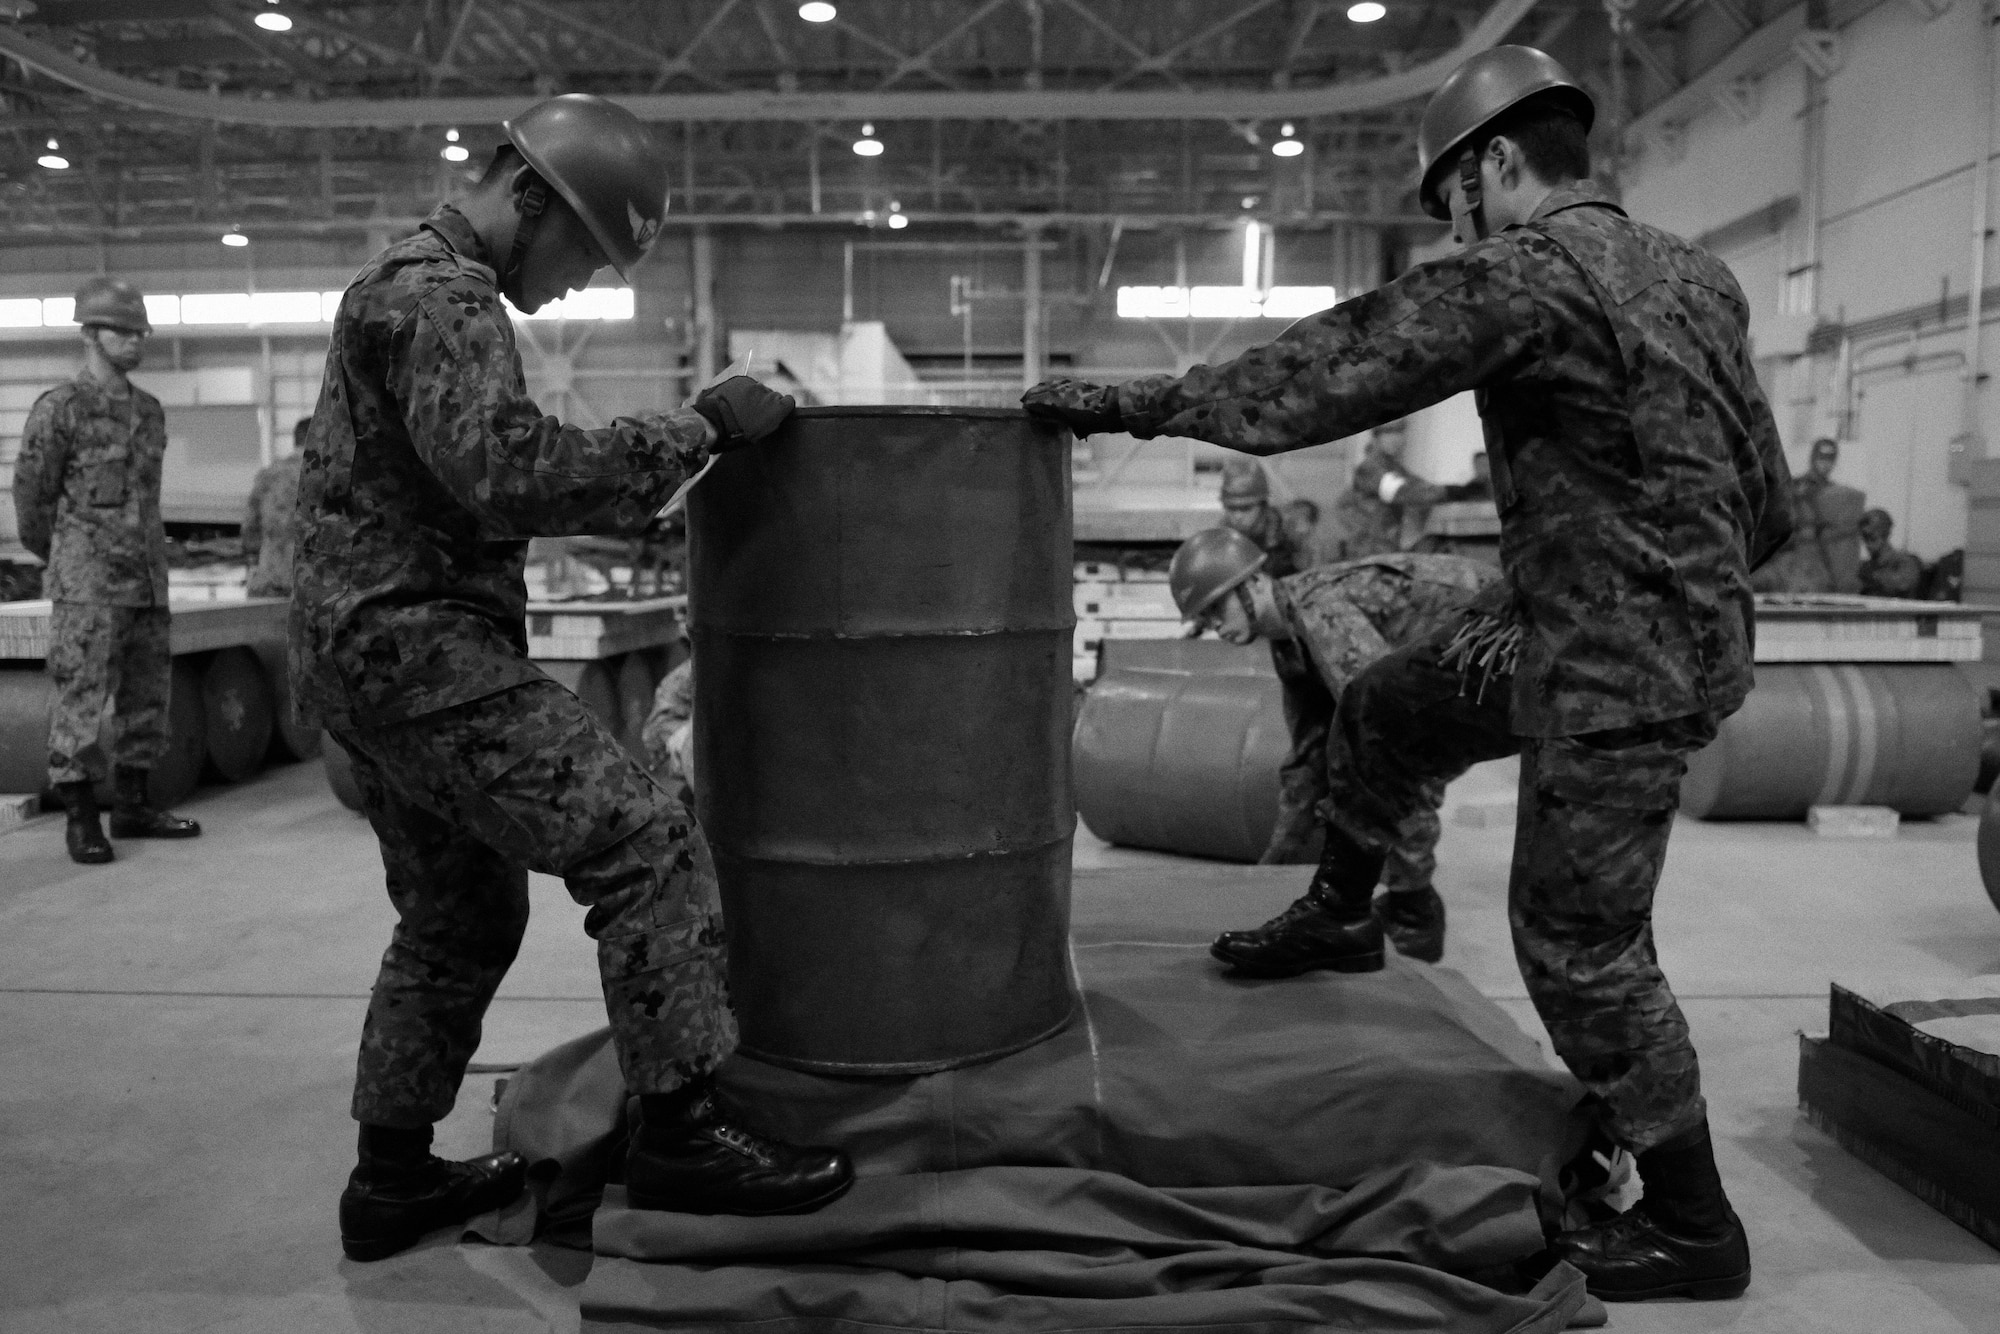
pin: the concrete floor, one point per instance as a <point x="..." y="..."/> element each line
<point x="177" y="1031"/>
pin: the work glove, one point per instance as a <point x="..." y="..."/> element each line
<point x="1084" y="407"/>
<point x="742" y="411"/>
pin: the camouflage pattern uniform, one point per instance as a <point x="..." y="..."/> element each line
<point x="1308" y="714"/>
<point x="1367" y="518"/>
<point x="666" y="735"/>
<point x="1893" y="574"/>
<point x="1345" y="616"/>
<point x="270" y="527"/>
<point x="1639" y="478"/>
<point x="426" y="469"/>
<point x="87" y="494"/>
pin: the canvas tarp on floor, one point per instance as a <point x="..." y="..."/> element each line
<point x="1364" y="1152"/>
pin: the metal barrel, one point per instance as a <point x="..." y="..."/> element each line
<point x="1904" y="735"/>
<point x="27" y="694"/>
<point x="289" y="739"/>
<point x="881" y="607"/>
<point x="237" y="702"/>
<point x="177" y="771"/>
<point x="1178" y="746"/>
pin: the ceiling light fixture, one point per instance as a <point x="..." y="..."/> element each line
<point x="868" y="145"/>
<point x="1366" y="12"/>
<point x="235" y="237"/>
<point x="818" y="11"/>
<point x="897" y="218"/>
<point x="272" y="21"/>
<point x="52" y="159"/>
<point x="1289" y="146"/>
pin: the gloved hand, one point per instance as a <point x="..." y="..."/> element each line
<point x="742" y="411"/>
<point x="1084" y="407"/>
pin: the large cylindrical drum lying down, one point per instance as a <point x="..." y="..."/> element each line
<point x="290" y="739"/>
<point x="238" y="704"/>
<point x="177" y="771"/>
<point x="1989" y="846"/>
<point x="1904" y="735"/>
<point x="26" y="696"/>
<point x="1178" y="747"/>
<point x="880" y="605"/>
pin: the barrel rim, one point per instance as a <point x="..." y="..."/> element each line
<point x="924" y="1065"/>
<point x="909" y="410"/>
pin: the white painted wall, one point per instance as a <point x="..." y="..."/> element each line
<point x="1903" y="131"/>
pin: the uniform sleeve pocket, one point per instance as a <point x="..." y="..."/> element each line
<point x="1642" y="777"/>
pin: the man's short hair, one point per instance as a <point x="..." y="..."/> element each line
<point x="1552" y="141"/>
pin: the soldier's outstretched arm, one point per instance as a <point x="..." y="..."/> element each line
<point x="38" y="474"/>
<point x="1454" y="324"/>
<point x="521" y="470"/>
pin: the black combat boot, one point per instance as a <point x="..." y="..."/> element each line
<point x="399" y="1191"/>
<point x="690" y="1155"/>
<point x="84" y="834"/>
<point x="133" y="815"/>
<point x="1331" y="927"/>
<point x="1414" y="922"/>
<point x="1680" y="1240"/>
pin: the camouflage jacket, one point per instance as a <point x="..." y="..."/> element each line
<point x="1352" y="612"/>
<point x="1281" y="552"/>
<point x="87" y="494"/>
<point x="270" y="527"/>
<point x="1636" y="465"/>
<point x="426" y="470"/>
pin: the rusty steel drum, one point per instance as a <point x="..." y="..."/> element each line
<point x="880" y="602"/>
<point x="1903" y="735"/>
<point x="1178" y="745"/>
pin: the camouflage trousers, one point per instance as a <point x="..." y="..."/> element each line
<point x="99" y="656"/>
<point x="1309" y="707"/>
<point x="1589" y="842"/>
<point x="465" y="802"/>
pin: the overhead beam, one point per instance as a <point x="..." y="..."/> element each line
<point x="888" y="105"/>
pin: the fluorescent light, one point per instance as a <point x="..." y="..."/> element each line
<point x="817" y="11"/>
<point x="163" y="309"/>
<point x="592" y="303"/>
<point x="868" y="145"/>
<point x="284" y="308"/>
<point x="1224" y="303"/>
<point x="215" y="308"/>
<point x="58" y="312"/>
<point x="1289" y="303"/>
<point x="329" y="306"/>
<point x="454" y="153"/>
<point x="1366" y="12"/>
<point x="57" y="162"/>
<point x="21" y="312"/>
<point x="1221" y="303"/>
<point x="271" y="21"/>
<point x="1288" y="148"/>
<point x="235" y="238"/>
<point x="898" y="221"/>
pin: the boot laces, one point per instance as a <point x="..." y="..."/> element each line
<point x="748" y="1143"/>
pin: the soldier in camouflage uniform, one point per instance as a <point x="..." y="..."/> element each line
<point x="1639" y="479"/>
<point x="427" y="468"/>
<point x="270" y="520"/>
<point x="668" y="734"/>
<point x="87" y="493"/>
<point x="1343" y="616"/>
<point x="1368" y="518"/>
<point x="1247" y="509"/>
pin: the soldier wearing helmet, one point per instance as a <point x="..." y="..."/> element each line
<point x="87" y="492"/>
<point x="1340" y="617"/>
<point x="427" y="469"/>
<point x="1639" y="479"/>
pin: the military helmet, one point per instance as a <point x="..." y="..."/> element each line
<point x="1208" y="565"/>
<point x="112" y="302"/>
<point x="1494" y="81"/>
<point x="602" y="160"/>
<point x="1243" y="481"/>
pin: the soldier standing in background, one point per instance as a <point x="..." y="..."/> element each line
<point x="1823" y="555"/>
<point x="1247" y="509"/>
<point x="1639" y="479"/>
<point x="427" y="468"/>
<point x="87" y="493"/>
<point x="270" y="526"/>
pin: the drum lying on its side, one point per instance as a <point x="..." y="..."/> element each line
<point x="1178" y="746"/>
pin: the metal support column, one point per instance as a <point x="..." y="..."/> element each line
<point x="1032" y="357"/>
<point x="702" y="253"/>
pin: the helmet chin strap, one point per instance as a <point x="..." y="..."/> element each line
<point x="1468" y="214"/>
<point x="534" y="202"/>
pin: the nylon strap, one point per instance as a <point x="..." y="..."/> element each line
<point x="1475" y="198"/>
<point x="534" y="200"/>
